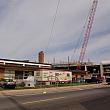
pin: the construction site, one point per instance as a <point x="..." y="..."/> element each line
<point x="54" y="54"/>
<point x="71" y="71"/>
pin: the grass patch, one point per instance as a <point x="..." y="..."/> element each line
<point x="1" y="89"/>
<point x="18" y="87"/>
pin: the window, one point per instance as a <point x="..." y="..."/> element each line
<point x="56" y="74"/>
<point x="37" y="73"/>
<point x="18" y="74"/>
<point x="9" y="74"/>
<point x="68" y="74"/>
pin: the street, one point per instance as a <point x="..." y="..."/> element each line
<point x="93" y="99"/>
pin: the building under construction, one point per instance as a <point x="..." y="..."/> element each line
<point x="81" y="70"/>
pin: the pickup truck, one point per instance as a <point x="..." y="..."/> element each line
<point x="8" y="83"/>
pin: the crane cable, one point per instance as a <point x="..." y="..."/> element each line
<point x="52" y="26"/>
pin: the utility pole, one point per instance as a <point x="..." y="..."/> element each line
<point x="68" y="63"/>
<point x="53" y="60"/>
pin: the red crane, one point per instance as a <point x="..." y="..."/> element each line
<point x="87" y="32"/>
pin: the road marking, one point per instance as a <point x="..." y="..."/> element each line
<point x="25" y="94"/>
<point x="45" y="100"/>
<point x="31" y="94"/>
<point x="81" y="89"/>
<point x="44" y="92"/>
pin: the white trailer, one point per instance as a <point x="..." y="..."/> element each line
<point x="53" y="75"/>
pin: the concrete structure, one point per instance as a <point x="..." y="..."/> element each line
<point x="19" y="70"/>
<point x="105" y="68"/>
<point x="85" y="72"/>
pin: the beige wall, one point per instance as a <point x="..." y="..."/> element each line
<point x="2" y="72"/>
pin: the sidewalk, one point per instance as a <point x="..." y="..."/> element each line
<point x="53" y="89"/>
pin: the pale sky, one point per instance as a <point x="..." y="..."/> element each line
<point x="25" y="27"/>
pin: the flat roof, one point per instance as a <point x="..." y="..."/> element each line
<point x="105" y="62"/>
<point x="24" y="62"/>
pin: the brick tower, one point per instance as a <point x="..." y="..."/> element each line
<point x="41" y="57"/>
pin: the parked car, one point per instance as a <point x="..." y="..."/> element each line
<point x="8" y="83"/>
<point x="94" y="80"/>
<point x="108" y="80"/>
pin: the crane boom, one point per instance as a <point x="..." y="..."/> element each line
<point x="88" y="30"/>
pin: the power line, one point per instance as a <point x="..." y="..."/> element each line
<point x="52" y="26"/>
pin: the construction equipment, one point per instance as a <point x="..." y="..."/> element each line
<point x="87" y="33"/>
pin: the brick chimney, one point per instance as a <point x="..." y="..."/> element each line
<point x="41" y="57"/>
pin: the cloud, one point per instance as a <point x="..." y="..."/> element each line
<point x="25" y="27"/>
<point x="98" y="43"/>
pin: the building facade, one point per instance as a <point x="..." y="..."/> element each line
<point x="19" y="70"/>
<point x="105" y="68"/>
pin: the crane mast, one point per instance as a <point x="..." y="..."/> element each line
<point x="88" y="31"/>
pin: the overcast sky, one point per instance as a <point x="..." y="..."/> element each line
<point x="25" y="27"/>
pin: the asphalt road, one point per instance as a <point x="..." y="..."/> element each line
<point x="94" y="99"/>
